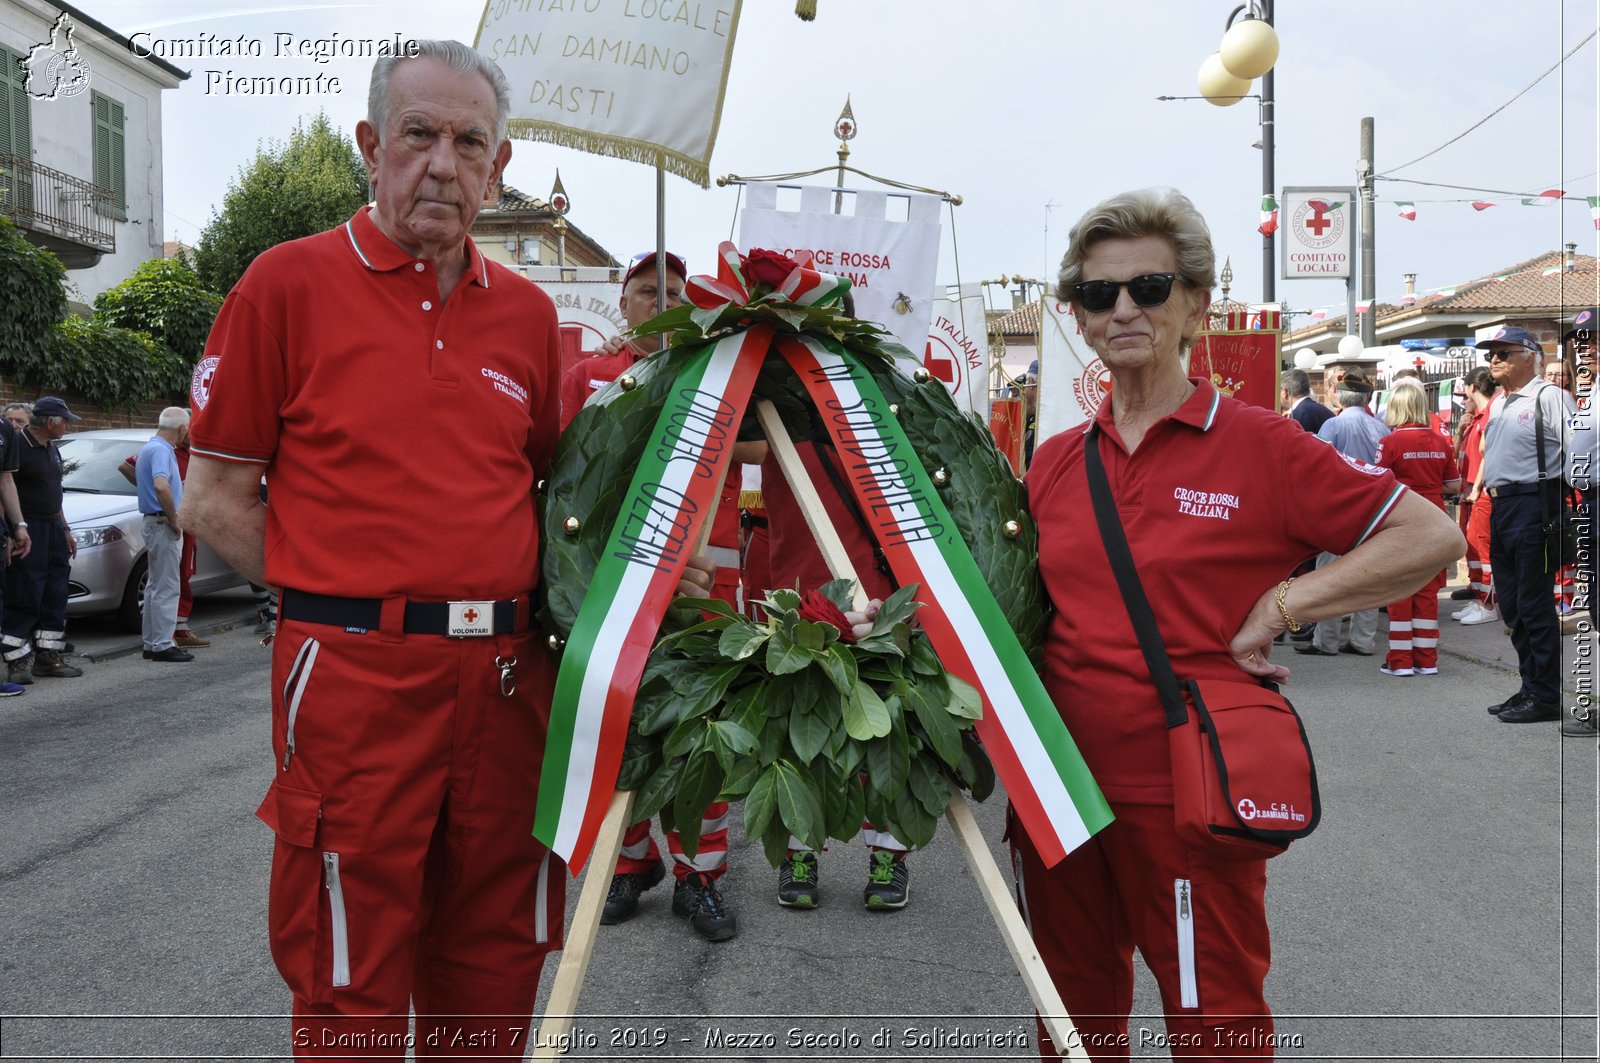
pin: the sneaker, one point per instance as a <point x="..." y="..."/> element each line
<point x="622" y="902"/>
<point x="265" y="621"/>
<point x="184" y="637"/>
<point x="20" y="670"/>
<point x="11" y="690"/>
<point x="1427" y="671"/>
<point x="1574" y="726"/>
<point x="1480" y="615"/>
<point x="797" y="881"/>
<point x="1386" y="670"/>
<point x="696" y="898"/>
<point x="888" y="881"/>
<point x="1466" y="611"/>
<point x="48" y="664"/>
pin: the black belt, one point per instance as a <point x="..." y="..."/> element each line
<point x="1512" y="490"/>
<point x="465" y="619"/>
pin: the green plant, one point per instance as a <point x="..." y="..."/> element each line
<point x="32" y="301"/>
<point x="111" y="367"/>
<point x="165" y="300"/>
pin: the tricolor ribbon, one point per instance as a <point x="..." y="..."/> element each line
<point x="1044" y="775"/>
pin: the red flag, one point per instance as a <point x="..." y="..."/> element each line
<point x="1478" y="204"/>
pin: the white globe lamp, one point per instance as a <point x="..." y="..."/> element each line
<point x="1305" y="358"/>
<point x="1351" y="347"/>
<point x="1217" y="85"/>
<point x="1249" y="48"/>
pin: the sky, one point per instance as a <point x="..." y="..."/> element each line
<point x="1030" y="110"/>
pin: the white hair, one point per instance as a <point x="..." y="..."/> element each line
<point x="458" y="57"/>
<point x="173" y="417"/>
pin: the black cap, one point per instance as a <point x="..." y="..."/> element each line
<point x="51" y="406"/>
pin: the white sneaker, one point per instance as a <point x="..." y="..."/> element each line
<point x="1427" y="671"/>
<point x="1482" y="616"/>
<point x="1386" y="670"/>
<point x="1466" y="610"/>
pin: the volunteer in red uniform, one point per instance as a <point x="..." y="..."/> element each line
<point x="1420" y="457"/>
<point x="406" y="761"/>
<point x="1475" y="507"/>
<point x="1220" y="502"/>
<point x="639" y="867"/>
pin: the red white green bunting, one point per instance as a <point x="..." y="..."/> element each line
<point x="1594" y="210"/>
<point x="1408" y="209"/>
<point x="1269" y="216"/>
<point x="673" y="491"/>
<point x="1034" y="756"/>
<point x="1549" y="197"/>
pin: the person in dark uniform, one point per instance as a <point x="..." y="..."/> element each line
<point x="14" y="542"/>
<point x="1298" y="405"/>
<point x="35" y="626"/>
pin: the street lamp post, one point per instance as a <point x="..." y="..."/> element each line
<point x="1248" y="51"/>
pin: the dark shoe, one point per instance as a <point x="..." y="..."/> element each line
<point x="1347" y="648"/>
<point x="888" y="882"/>
<point x="188" y="639"/>
<point x="1313" y="649"/>
<point x="1574" y="727"/>
<point x="797" y="881"/>
<point x="622" y="903"/>
<point x="265" y="621"/>
<point x="696" y="897"/>
<point x="1514" y="700"/>
<point x="171" y="653"/>
<point x="1461" y="594"/>
<point x="11" y="690"/>
<point x="1531" y="711"/>
<point x="20" y="671"/>
<point x="1306" y="633"/>
<point x="47" y="664"/>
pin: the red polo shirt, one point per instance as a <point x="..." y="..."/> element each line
<point x="401" y="436"/>
<point x="1219" y="502"/>
<point x="1421" y="459"/>
<point x="588" y="375"/>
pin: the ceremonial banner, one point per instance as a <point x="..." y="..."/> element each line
<point x="891" y="265"/>
<point x="957" y="353"/>
<point x="1073" y="381"/>
<point x="1241" y="363"/>
<point x="588" y="304"/>
<point x="673" y="490"/>
<point x="641" y="80"/>
<point x="1050" y="787"/>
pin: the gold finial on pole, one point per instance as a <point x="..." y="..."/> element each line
<point x="844" y="127"/>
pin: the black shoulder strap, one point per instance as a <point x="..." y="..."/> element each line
<point x="1144" y="621"/>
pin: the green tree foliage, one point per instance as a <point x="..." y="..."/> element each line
<point x="165" y="300"/>
<point x="311" y="182"/>
<point x="33" y="299"/>
<point x="111" y="367"/>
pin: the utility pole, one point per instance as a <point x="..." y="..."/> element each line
<point x="1365" y="171"/>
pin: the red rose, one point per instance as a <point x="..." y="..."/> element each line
<point x="768" y="267"/>
<point x="816" y="607"/>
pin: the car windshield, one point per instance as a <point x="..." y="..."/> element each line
<point x="91" y="464"/>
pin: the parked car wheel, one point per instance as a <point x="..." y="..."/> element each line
<point x="130" y="614"/>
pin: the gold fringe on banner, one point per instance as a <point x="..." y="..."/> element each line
<point x="751" y="500"/>
<point x="806" y="9"/>
<point x="625" y="148"/>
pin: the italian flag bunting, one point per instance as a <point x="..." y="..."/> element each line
<point x="1481" y="205"/>
<point x="1269" y="216"/>
<point x="1594" y="210"/>
<point x="1408" y="210"/>
<point x="1544" y="199"/>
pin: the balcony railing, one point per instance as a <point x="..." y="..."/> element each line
<point x="56" y="204"/>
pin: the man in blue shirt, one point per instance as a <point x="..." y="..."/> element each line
<point x="1354" y="432"/>
<point x="160" y="491"/>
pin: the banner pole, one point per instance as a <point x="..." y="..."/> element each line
<point x="661" y="239"/>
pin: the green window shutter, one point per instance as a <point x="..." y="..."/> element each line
<point x="109" y="155"/>
<point x="119" y="171"/>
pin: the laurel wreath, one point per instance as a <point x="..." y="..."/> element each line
<point x="813" y="732"/>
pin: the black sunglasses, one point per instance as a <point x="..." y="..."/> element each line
<point x="1502" y="354"/>
<point x="1146" y="290"/>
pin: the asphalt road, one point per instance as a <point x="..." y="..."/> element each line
<point x="1445" y="908"/>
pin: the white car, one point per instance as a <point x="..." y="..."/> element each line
<point x="108" y="575"/>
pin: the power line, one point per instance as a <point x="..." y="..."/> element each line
<point x="1491" y="191"/>
<point x="1498" y="109"/>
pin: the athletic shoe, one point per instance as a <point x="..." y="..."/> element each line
<point x="1386" y="670"/>
<point x="20" y="670"/>
<point x="1575" y="727"/>
<point x="1479" y="615"/>
<point x="184" y="637"/>
<point x="888" y="881"/>
<point x="48" y="664"/>
<point x="622" y="902"/>
<point x="265" y="620"/>
<point x="1427" y="671"/>
<point x="11" y="690"/>
<point x="697" y="899"/>
<point x="797" y="881"/>
<point x="1466" y="611"/>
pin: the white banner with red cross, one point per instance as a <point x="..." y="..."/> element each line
<point x="588" y="304"/>
<point x="957" y="351"/>
<point x="891" y="264"/>
<point x="1073" y="381"/>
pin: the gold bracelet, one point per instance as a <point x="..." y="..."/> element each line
<point x="1278" y="597"/>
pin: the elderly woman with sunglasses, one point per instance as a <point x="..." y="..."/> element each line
<point x="1220" y="502"/>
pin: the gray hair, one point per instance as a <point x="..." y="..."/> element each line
<point x="460" y="58"/>
<point x="1295" y="382"/>
<point x="23" y="406"/>
<point x="173" y="417"/>
<point x="1166" y="213"/>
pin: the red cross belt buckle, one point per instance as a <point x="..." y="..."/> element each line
<point x="471" y="619"/>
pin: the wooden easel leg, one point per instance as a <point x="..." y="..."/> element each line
<point x="579" y="948"/>
<point x="995" y="894"/>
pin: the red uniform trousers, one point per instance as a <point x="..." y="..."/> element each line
<point x="1199" y="921"/>
<point x="185" y="570"/>
<point x="639" y="852"/>
<point x="1477" y="532"/>
<point x="1414" y="628"/>
<point x="405" y="873"/>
